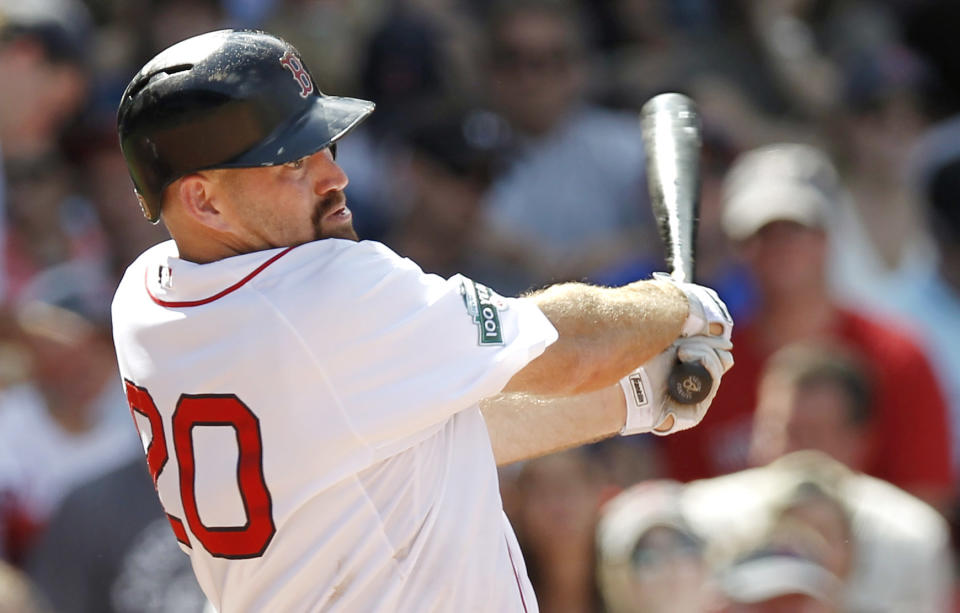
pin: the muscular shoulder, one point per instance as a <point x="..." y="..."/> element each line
<point x="339" y="254"/>
<point x="339" y="287"/>
<point x="347" y="267"/>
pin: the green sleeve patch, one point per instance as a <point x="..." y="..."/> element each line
<point x="484" y="307"/>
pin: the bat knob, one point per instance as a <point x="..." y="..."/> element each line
<point x="689" y="382"/>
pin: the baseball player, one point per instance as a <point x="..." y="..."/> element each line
<point x="310" y="404"/>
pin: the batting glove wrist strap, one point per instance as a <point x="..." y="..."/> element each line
<point x="706" y="309"/>
<point x="640" y="408"/>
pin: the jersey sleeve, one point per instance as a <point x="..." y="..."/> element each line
<point x="403" y="350"/>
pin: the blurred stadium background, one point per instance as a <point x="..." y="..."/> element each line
<point x="505" y="146"/>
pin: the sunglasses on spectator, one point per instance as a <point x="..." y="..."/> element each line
<point x="668" y="545"/>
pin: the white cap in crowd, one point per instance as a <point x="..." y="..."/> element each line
<point x="771" y="574"/>
<point x="781" y="182"/>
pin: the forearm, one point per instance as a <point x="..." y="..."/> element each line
<point x="523" y="426"/>
<point x="604" y="333"/>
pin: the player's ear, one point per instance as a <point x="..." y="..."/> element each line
<point x="197" y="195"/>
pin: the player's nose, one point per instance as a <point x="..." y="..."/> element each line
<point x="326" y="173"/>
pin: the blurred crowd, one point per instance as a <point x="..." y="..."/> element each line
<point x="506" y="146"/>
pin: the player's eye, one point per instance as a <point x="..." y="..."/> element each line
<point x="296" y="164"/>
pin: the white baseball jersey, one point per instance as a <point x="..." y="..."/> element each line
<point x="310" y="418"/>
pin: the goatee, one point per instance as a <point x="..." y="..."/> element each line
<point x="329" y="203"/>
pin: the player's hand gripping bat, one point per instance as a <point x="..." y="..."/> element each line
<point x="671" y="137"/>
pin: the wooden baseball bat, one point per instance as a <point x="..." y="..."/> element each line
<point x="671" y="138"/>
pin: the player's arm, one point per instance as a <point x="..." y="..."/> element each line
<point x="523" y="426"/>
<point x="604" y="333"/>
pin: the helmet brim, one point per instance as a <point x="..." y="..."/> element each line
<point x="328" y="120"/>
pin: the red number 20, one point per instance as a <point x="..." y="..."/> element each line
<point x="235" y="542"/>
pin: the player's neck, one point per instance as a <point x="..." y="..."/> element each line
<point x="202" y="255"/>
<point x="201" y="247"/>
<point x="198" y="242"/>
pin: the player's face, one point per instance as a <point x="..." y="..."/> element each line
<point x="289" y="204"/>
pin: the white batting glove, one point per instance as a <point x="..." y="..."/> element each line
<point x="706" y="309"/>
<point x="649" y="405"/>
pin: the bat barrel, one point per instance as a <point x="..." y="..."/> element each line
<point x="671" y="138"/>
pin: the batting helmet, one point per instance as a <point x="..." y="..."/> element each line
<point x="225" y="99"/>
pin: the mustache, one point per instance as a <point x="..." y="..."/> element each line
<point x="330" y="202"/>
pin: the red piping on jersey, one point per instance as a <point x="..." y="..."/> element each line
<point x="235" y="286"/>
<point x="516" y="575"/>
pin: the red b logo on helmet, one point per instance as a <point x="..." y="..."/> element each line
<point x="293" y="63"/>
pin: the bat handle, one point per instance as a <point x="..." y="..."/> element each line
<point x="689" y="382"/>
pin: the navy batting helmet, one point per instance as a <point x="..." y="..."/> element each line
<point x="225" y="99"/>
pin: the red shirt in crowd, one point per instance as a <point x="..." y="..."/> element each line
<point x="909" y="438"/>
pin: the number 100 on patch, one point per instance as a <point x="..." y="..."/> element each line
<point x="484" y="306"/>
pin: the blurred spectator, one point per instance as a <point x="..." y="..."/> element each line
<point x="42" y="50"/>
<point x="48" y="222"/>
<point x="106" y="182"/>
<point x="778" y="219"/>
<point x="571" y="200"/>
<point x="403" y="71"/>
<point x="17" y="594"/>
<point x="788" y="37"/>
<point x="663" y="45"/>
<point x="553" y="506"/>
<point x="174" y="20"/>
<point x="98" y="556"/>
<point x="930" y="299"/>
<point x="929" y="29"/>
<point x="648" y="558"/>
<point x="43" y="46"/>
<point x="814" y="522"/>
<point x="843" y="69"/>
<point x="568" y="202"/>
<point x="772" y="581"/>
<point x="813" y="397"/>
<point x="70" y="422"/>
<point x="444" y="175"/>
<point x="332" y="37"/>
<point x="888" y="548"/>
<point x="872" y="136"/>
